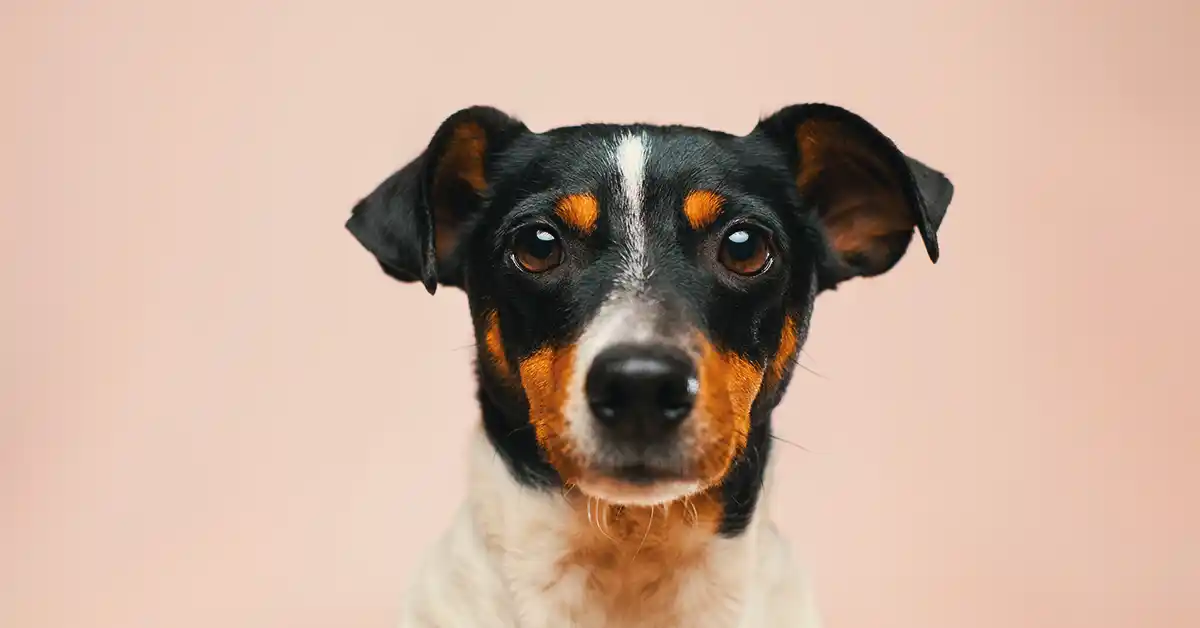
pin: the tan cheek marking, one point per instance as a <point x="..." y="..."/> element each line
<point x="787" y="350"/>
<point x="580" y="211"/>
<point x="729" y="384"/>
<point x="495" y="344"/>
<point x="544" y="376"/>
<point x="702" y="208"/>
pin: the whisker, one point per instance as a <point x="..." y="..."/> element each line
<point x="793" y="444"/>
<point x="523" y="427"/>
<point x="596" y="521"/>
<point x="604" y="527"/>
<point x="691" y="507"/>
<point x="645" y="536"/>
<point x="806" y="368"/>
<point x="473" y="344"/>
<point x="800" y="364"/>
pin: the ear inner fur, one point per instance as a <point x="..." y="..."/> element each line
<point x="462" y="162"/>
<point x="862" y="205"/>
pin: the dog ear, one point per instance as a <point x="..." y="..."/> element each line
<point x="414" y="221"/>
<point x="868" y="195"/>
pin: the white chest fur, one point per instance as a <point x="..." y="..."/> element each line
<point x="520" y="558"/>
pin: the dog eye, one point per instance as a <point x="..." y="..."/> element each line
<point x="537" y="250"/>
<point x="745" y="251"/>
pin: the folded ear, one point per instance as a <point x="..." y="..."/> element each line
<point x="868" y="195"/>
<point x="414" y="221"/>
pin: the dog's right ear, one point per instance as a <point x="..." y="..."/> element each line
<point x="414" y="221"/>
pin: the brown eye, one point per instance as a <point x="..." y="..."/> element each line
<point x="745" y="251"/>
<point x="537" y="250"/>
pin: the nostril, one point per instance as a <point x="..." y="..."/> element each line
<point x="677" y="396"/>
<point x="605" y="400"/>
<point x="605" y="394"/>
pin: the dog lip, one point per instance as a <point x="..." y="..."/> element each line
<point x="642" y="474"/>
<point x="638" y="490"/>
<point x="639" y="474"/>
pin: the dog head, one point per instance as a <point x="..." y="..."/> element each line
<point x="639" y="292"/>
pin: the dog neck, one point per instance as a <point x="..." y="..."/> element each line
<point x="574" y="557"/>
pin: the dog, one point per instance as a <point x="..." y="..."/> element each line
<point x="639" y="296"/>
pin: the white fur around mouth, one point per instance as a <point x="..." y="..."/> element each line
<point x="629" y="494"/>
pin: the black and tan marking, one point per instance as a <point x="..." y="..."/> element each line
<point x="738" y="235"/>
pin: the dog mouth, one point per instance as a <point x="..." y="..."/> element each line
<point x="642" y="474"/>
<point x="641" y="481"/>
<point x="638" y="487"/>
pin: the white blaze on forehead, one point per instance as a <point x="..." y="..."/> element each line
<point x="628" y="314"/>
<point x="630" y="157"/>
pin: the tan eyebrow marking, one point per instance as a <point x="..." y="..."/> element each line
<point x="702" y="208"/>
<point x="580" y="211"/>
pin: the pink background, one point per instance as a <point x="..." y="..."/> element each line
<point x="216" y="411"/>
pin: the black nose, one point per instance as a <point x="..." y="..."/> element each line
<point x="641" y="391"/>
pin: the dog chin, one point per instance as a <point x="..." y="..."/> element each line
<point x="629" y="493"/>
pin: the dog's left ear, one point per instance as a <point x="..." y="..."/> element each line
<point x="868" y="195"/>
<point x="415" y="220"/>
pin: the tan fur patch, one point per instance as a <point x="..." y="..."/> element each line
<point x="579" y="211"/>
<point x="495" y="344"/>
<point x="861" y="202"/>
<point x="787" y="350"/>
<point x="635" y="557"/>
<point x="813" y="138"/>
<point x="462" y="159"/>
<point x="634" y="560"/>
<point x="729" y="384"/>
<point x="857" y="226"/>
<point x="702" y="208"/>
<point x="543" y="376"/>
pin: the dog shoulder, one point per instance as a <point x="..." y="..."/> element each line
<point x="786" y="586"/>
<point x="456" y="584"/>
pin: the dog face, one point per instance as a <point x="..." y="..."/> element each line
<point x="639" y="292"/>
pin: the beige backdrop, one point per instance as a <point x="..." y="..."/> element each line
<point x="218" y="412"/>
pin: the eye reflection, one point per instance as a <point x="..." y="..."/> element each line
<point x="537" y="249"/>
<point x="745" y="251"/>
